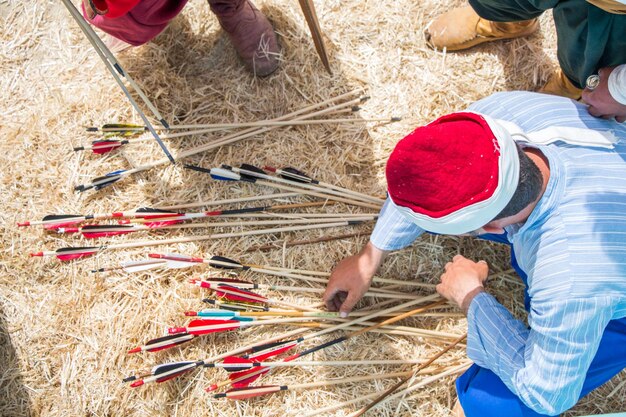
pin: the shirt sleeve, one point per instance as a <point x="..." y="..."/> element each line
<point x="393" y="230"/>
<point x="546" y="365"/>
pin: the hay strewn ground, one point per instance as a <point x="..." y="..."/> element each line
<point x="64" y="332"/>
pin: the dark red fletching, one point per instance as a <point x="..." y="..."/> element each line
<point x="175" y="341"/>
<point x="104" y="146"/>
<point x="251" y="392"/>
<point x="247" y="381"/>
<point x="228" y="325"/>
<point x="261" y="356"/>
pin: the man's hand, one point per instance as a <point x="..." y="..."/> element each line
<point x="351" y="278"/>
<point x="600" y="101"/>
<point x="462" y="280"/>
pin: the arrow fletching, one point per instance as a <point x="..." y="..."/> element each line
<point x="200" y="327"/>
<point x="221" y="174"/>
<point x="236" y="306"/>
<point x="225" y="263"/>
<point x="69" y="254"/>
<point x="237" y="294"/>
<point x="244" y="378"/>
<point x="164" y="342"/>
<point x="270" y="350"/>
<point x="95" y="231"/>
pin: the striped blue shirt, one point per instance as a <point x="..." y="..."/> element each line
<point x="573" y="249"/>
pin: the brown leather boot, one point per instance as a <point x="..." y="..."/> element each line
<point x="250" y="33"/>
<point x="462" y="28"/>
<point x="559" y="85"/>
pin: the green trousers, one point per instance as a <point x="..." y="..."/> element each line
<point x="589" y="38"/>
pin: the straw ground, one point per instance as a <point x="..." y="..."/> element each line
<point x="64" y="332"/>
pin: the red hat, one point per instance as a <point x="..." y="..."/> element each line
<point x="113" y="8"/>
<point x="443" y="174"/>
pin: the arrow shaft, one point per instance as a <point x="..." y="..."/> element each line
<point x="233" y="352"/>
<point x="114" y="68"/>
<point x="297" y="115"/>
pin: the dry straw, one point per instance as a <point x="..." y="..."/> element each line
<point x="65" y="332"/>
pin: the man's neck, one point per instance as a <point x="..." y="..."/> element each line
<point x="543" y="164"/>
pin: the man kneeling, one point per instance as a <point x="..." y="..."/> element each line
<point x="539" y="173"/>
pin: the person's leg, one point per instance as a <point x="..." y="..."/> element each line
<point x="589" y="38"/>
<point x="485" y="21"/>
<point x="482" y="394"/>
<point x="251" y="34"/>
<point x="143" y="23"/>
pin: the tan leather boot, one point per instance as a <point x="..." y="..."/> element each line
<point x="559" y="85"/>
<point x="462" y="28"/>
<point x="250" y="33"/>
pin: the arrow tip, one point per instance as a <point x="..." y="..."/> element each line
<point x="135" y="350"/>
<point x="211" y="388"/>
<point x="36" y="254"/>
<point x="22" y="224"/>
<point x="191" y="313"/>
<point x="129" y="378"/>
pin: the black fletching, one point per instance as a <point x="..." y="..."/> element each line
<point x="252" y="168"/>
<point x="150" y="210"/>
<point x="235" y="264"/>
<point x="61" y="251"/>
<point x="51" y="217"/>
<point x="267" y="346"/>
<point x="297" y="175"/>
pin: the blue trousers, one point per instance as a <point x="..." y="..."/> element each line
<point x="483" y="394"/>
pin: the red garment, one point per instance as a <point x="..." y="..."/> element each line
<point x="444" y="166"/>
<point x="136" y="21"/>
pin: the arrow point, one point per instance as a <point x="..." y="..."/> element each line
<point x="191" y="313"/>
<point x="22" y="224"/>
<point x="135" y="350"/>
<point x="36" y="254"/>
<point x="211" y="388"/>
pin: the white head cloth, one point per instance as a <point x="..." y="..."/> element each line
<point x="475" y="216"/>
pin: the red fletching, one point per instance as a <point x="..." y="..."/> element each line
<point x="54" y="226"/>
<point x="255" y="374"/>
<point x="200" y="327"/>
<point x="251" y="392"/>
<point x="105" y="146"/>
<point x="72" y="256"/>
<point x="155" y="225"/>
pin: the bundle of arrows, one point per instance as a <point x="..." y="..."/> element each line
<point x="276" y="216"/>
<point x="246" y="364"/>
<point x="345" y="102"/>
